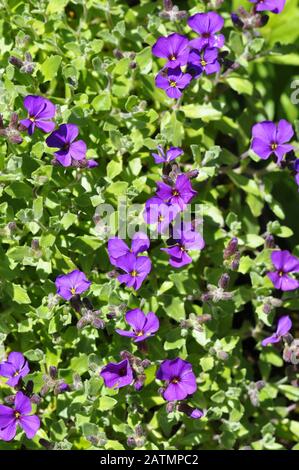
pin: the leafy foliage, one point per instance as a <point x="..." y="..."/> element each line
<point x="93" y="60"/>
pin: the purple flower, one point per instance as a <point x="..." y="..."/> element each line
<point x="143" y="325"/>
<point x="206" y="25"/>
<point x="180" y="194"/>
<point x="15" y="368"/>
<point x="40" y="112"/>
<point x="174" y="48"/>
<point x="276" y="6"/>
<point x="186" y="240"/>
<point x="296" y="169"/>
<point x="283" y="327"/>
<point x="173" y="81"/>
<point x="70" y="284"/>
<point x="179" y="377"/>
<point x="136" y="269"/>
<point x="159" y="213"/>
<point x="270" y="138"/>
<point x="206" y="61"/>
<point x="168" y="156"/>
<point x="194" y="413"/>
<point x="285" y="263"/>
<point x="117" y="248"/>
<point x="70" y="149"/>
<point x="10" y="418"/>
<point x="117" y="375"/>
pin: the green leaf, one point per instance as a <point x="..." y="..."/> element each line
<point x="107" y="403"/>
<point x="50" y="66"/>
<point x="102" y="102"/>
<point x="19" y="294"/>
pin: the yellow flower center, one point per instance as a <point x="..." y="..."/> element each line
<point x="73" y="291"/>
<point x="134" y="273"/>
<point x="32" y="118"/>
<point x="160" y="218"/>
<point x="175" y="380"/>
<point x="17" y="414"/>
<point x="175" y="192"/>
<point x="172" y="83"/>
<point x="173" y="57"/>
<point x="203" y="62"/>
<point x="274" y="146"/>
<point x="140" y="333"/>
<point x="16" y="373"/>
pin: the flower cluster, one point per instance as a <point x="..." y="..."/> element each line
<point x="187" y="60"/>
<point x="134" y="269"/>
<point x="41" y="113"/>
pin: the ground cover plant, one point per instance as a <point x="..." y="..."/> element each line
<point x="149" y="174"/>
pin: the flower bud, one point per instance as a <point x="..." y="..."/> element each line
<point x="269" y="241"/>
<point x="35" y="399"/>
<point x="224" y="281"/>
<point x="231" y="248"/>
<point x="18" y="63"/>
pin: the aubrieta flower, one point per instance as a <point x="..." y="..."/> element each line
<point x="64" y="138"/>
<point x="179" y="377"/>
<point x="186" y="239"/>
<point x="285" y="263"/>
<point x="143" y="325"/>
<point x="173" y="81"/>
<point x="40" y="112"/>
<point x="269" y="138"/>
<point x="117" y="375"/>
<point x="70" y="284"/>
<point x="283" y="327"/>
<point x="296" y="168"/>
<point x="167" y="156"/>
<point x="205" y="61"/>
<point x="180" y="194"/>
<point x="136" y="270"/>
<point x="207" y="25"/>
<point x="117" y="248"/>
<point x="19" y="415"/>
<point x="174" y="48"/>
<point x="275" y="6"/>
<point x="15" y="368"/>
<point x="159" y="213"/>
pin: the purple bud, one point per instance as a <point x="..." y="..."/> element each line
<point x="35" y="244"/>
<point x="98" y="323"/>
<point x="35" y="399"/>
<point x="131" y="442"/>
<point x="269" y="241"/>
<point x="224" y="281"/>
<point x="194" y="413"/>
<point x="170" y="406"/>
<point x="235" y="262"/>
<point x="167" y="4"/>
<point x="192" y="174"/>
<point x="118" y="54"/>
<point x="267" y="308"/>
<point x="237" y="20"/>
<point x="10" y="399"/>
<point x="222" y="355"/>
<point x="206" y="297"/>
<point x="231" y="248"/>
<point x="145" y="363"/>
<point x="15" y="62"/>
<point x="260" y="384"/>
